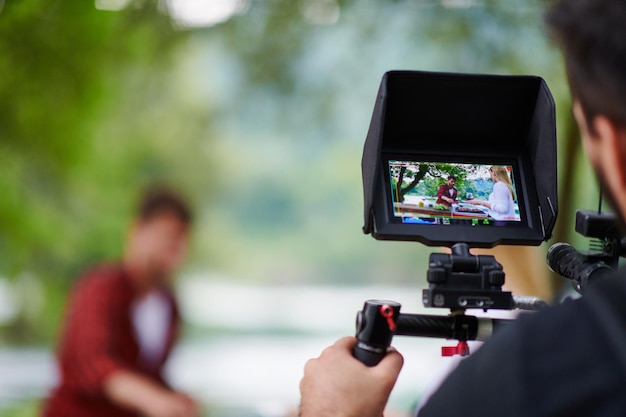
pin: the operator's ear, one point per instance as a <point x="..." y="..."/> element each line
<point x="612" y="149"/>
<point x="605" y="146"/>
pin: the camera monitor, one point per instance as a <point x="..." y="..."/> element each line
<point x="455" y="158"/>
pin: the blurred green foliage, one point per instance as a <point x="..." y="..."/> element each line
<point x="91" y="110"/>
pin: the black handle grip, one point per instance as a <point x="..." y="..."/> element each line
<point x="367" y="354"/>
<point x="374" y="330"/>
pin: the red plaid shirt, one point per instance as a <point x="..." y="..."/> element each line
<point x="97" y="340"/>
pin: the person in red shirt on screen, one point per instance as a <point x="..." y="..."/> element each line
<point x="122" y="321"/>
<point x="446" y="194"/>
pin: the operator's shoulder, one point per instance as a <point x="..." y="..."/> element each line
<point x="577" y="348"/>
<point x="550" y="321"/>
<point x="565" y="360"/>
<point x="586" y="333"/>
<point x="602" y="300"/>
<point x="611" y="290"/>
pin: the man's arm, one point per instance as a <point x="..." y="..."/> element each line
<point x="443" y="195"/>
<point x="441" y="191"/>
<point x="338" y="385"/>
<point x="136" y="392"/>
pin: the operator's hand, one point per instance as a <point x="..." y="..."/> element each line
<point x="338" y="385"/>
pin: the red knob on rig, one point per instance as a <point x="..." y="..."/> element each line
<point x="387" y="312"/>
<point x="461" y="349"/>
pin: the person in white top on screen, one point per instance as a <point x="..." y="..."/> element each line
<point x="501" y="200"/>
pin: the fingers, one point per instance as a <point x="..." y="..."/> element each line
<point x="341" y="346"/>
<point x="187" y="406"/>
<point x="337" y="384"/>
<point x="393" y="361"/>
<point x="346" y="343"/>
<point x="388" y="370"/>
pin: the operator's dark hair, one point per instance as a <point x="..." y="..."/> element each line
<point x="592" y="34"/>
<point x="451" y="177"/>
<point x="159" y="200"/>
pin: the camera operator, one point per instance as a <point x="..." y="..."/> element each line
<point x="563" y="361"/>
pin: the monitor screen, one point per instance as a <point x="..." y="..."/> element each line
<point x="438" y="193"/>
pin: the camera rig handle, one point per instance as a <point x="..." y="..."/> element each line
<point x="375" y="325"/>
<point x="380" y="320"/>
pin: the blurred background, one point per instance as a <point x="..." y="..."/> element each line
<point x="258" y="110"/>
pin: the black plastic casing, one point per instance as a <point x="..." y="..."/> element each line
<point x="463" y="118"/>
<point x="373" y="331"/>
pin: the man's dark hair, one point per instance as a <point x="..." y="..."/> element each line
<point x="451" y="177"/>
<point x="160" y="200"/>
<point x="592" y="34"/>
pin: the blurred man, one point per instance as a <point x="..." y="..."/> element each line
<point x="122" y="321"/>
<point x="568" y="360"/>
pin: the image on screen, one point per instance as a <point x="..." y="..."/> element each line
<point x="453" y="193"/>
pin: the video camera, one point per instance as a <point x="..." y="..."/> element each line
<point x="463" y="161"/>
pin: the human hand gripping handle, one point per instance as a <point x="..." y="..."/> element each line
<point x="337" y="385"/>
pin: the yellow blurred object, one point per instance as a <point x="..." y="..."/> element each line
<point x="526" y="272"/>
<point x="421" y="204"/>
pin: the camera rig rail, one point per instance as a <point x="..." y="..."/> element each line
<point x="461" y="281"/>
<point x="457" y="281"/>
<point x="380" y="320"/>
